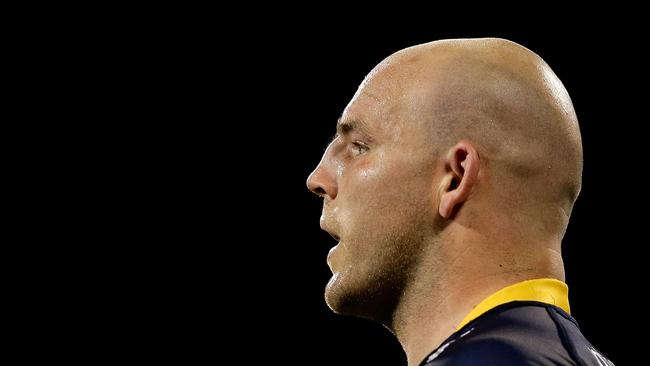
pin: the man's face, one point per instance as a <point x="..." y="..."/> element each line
<point x="376" y="178"/>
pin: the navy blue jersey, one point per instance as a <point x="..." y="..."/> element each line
<point x="518" y="333"/>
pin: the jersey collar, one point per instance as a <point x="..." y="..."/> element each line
<point x="546" y="290"/>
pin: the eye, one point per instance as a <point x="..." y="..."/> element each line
<point x="358" y="148"/>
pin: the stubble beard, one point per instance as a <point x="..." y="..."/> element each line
<point x="373" y="290"/>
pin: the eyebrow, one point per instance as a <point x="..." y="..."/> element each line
<point x="345" y="126"/>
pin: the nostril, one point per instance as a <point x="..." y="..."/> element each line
<point x="322" y="184"/>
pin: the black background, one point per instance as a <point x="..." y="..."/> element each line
<point x="245" y="273"/>
<point x="181" y="140"/>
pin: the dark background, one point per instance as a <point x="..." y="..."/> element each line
<point x="239" y="115"/>
<point x="197" y="129"/>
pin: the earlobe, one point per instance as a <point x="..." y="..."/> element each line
<point x="446" y="206"/>
<point x="462" y="166"/>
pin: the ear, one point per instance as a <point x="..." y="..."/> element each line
<point x="462" y="166"/>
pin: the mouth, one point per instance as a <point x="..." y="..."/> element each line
<point x="331" y="232"/>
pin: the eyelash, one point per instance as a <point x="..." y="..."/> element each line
<point x="358" y="148"/>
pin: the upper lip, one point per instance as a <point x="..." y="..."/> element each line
<point x="331" y="232"/>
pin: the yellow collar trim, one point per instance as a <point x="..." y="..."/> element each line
<point x="546" y="290"/>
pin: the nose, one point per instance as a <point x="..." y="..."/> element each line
<point x="322" y="181"/>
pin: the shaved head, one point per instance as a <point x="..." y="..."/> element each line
<point x="453" y="173"/>
<point x="504" y="99"/>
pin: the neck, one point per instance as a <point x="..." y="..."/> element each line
<point x="436" y="302"/>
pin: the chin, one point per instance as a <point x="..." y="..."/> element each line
<point x="347" y="298"/>
<point x="338" y="296"/>
<point x="333" y="295"/>
<point x="375" y="298"/>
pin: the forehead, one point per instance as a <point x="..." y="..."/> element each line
<point x="375" y="101"/>
<point x="386" y="101"/>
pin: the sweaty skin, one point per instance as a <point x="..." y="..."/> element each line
<point x="452" y="175"/>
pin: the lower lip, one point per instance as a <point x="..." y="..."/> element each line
<point x="331" y="254"/>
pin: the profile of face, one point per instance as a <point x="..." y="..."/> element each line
<point x="405" y="159"/>
<point x="375" y="179"/>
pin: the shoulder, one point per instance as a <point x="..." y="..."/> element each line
<point x="481" y="352"/>
<point x="515" y="334"/>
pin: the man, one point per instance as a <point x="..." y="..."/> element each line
<point x="449" y="186"/>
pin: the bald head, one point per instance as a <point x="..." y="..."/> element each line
<point x="503" y="99"/>
<point x="452" y="174"/>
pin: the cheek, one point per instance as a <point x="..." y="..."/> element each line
<point x="382" y="195"/>
<point x="375" y="179"/>
<point x="371" y="172"/>
<point x="365" y="169"/>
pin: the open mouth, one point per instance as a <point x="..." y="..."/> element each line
<point x="330" y="231"/>
<point x="336" y="237"/>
